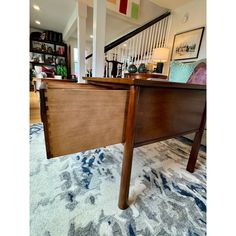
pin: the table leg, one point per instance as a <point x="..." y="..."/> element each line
<point x="128" y="150"/>
<point x="125" y="177"/>
<point x="196" y="145"/>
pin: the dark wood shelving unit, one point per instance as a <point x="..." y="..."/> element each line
<point x="42" y="63"/>
<point x="48" y="50"/>
<point x="47" y="41"/>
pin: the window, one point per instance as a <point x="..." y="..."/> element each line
<point x="76" y="66"/>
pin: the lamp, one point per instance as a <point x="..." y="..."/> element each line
<point x="160" y="55"/>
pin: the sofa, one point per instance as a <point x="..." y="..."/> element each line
<point x="188" y="72"/>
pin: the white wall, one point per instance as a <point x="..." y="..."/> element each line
<point x="196" y="10"/>
<point x="72" y="42"/>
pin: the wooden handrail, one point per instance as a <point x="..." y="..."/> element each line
<point x="132" y="33"/>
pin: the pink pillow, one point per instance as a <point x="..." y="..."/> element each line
<point x="199" y="75"/>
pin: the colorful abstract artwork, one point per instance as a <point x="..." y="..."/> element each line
<point x="129" y="8"/>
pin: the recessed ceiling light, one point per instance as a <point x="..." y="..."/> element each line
<point x="125" y="45"/>
<point x="36" y="7"/>
<point x="91" y="36"/>
<point x="37" y="22"/>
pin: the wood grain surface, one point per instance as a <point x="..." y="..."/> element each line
<point x="107" y="111"/>
<point x="167" y="112"/>
<point x="83" y="119"/>
<point x="145" y="76"/>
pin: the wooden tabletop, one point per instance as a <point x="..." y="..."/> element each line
<point x="53" y="79"/>
<point x="142" y="82"/>
<point x="145" y="75"/>
<point x="110" y="80"/>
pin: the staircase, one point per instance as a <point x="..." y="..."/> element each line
<point x="135" y="47"/>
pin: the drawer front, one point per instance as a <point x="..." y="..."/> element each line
<point x="81" y="119"/>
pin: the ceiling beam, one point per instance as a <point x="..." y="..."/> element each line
<point x="71" y="25"/>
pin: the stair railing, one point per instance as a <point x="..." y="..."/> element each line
<point x="135" y="47"/>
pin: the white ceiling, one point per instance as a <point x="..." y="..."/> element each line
<point x="170" y="4"/>
<point x="54" y="15"/>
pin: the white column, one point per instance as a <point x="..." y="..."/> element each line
<point x="81" y="38"/>
<point x="99" y="29"/>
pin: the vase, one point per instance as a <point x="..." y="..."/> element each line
<point x="142" y="68"/>
<point x="132" y="68"/>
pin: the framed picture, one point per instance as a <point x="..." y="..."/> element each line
<point x="187" y="44"/>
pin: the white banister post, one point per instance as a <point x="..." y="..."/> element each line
<point x="81" y="38"/>
<point x="99" y="30"/>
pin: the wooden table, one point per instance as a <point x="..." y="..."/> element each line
<point x="135" y="112"/>
<point x="36" y="80"/>
<point x="145" y="75"/>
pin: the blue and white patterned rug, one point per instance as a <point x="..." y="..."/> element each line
<point x="77" y="195"/>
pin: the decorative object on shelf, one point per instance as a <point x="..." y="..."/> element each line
<point x="57" y="77"/>
<point x="49" y="59"/>
<point x="43" y="36"/>
<point x="36" y="59"/>
<point x="38" y="72"/>
<point x="132" y="68"/>
<point x="62" y="62"/>
<point x="60" y="50"/>
<point x="160" y="55"/>
<point x="50" y="71"/>
<point x="187" y="44"/>
<point x="35" y="35"/>
<point x="73" y="77"/>
<point x="61" y="70"/>
<point x="89" y="73"/>
<point x="43" y="47"/>
<point x="49" y="35"/>
<point x="59" y="37"/>
<point x="36" y="46"/>
<point x="57" y="60"/>
<point x="142" y="68"/>
<point x="54" y="36"/>
<point x="49" y="50"/>
<point x="40" y="59"/>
